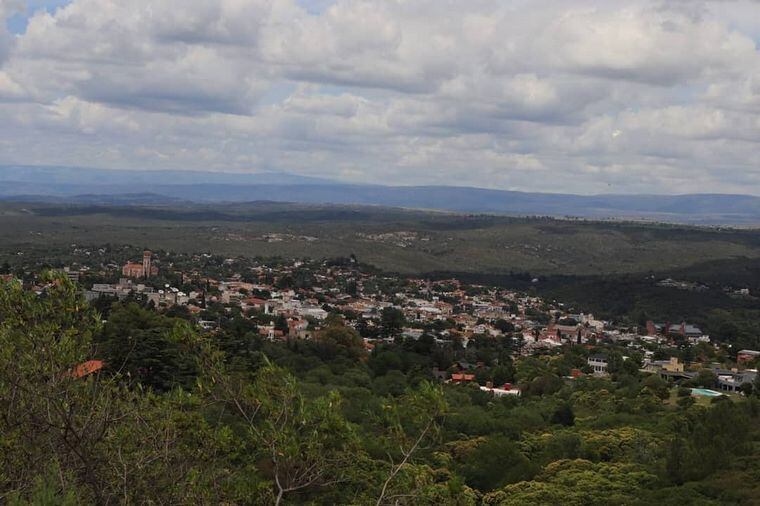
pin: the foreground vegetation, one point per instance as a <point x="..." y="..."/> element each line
<point x="182" y="418"/>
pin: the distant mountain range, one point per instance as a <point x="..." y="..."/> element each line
<point x="111" y="187"/>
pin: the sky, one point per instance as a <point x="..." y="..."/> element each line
<point x="561" y="96"/>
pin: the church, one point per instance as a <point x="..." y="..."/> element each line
<point x="143" y="270"/>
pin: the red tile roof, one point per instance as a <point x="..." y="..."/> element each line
<point x="87" y="368"/>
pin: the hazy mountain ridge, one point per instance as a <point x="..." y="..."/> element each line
<point x="140" y="187"/>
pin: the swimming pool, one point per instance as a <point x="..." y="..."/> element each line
<point x="705" y="392"/>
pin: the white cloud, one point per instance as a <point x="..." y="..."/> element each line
<point x="572" y="96"/>
<point x="7" y="8"/>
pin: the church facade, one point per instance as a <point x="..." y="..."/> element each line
<point x="144" y="270"/>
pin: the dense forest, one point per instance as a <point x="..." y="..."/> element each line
<point x="182" y="417"/>
<point x="394" y="240"/>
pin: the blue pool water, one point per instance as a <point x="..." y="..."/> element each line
<point x="705" y="392"/>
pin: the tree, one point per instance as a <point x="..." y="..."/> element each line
<point x="632" y="365"/>
<point x="69" y="436"/>
<point x="546" y="384"/>
<point x="614" y="362"/>
<point x="712" y="438"/>
<point x="576" y="483"/>
<point x="564" y="415"/>
<point x="308" y="443"/>
<point x="48" y="416"/>
<point x="503" y="373"/>
<point x="281" y="324"/>
<point x="705" y="378"/>
<point x="147" y="347"/>
<point x="393" y="383"/>
<point x="494" y="463"/>
<point x="562" y="445"/>
<point x="674" y="463"/>
<point x="408" y="424"/>
<point x="504" y="326"/>
<point x="657" y="386"/>
<point x="391" y="321"/>
<point x="178" y="311"/>
<point x="338" y="339"/>
<point x="304" y="444"/>
<point x="686" y="402"/>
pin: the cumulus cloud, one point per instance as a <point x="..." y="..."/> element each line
<point x="7" y="8"/>
<point x="574" y="96"/>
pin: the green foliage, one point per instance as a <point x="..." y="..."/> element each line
<point x="46" y="491"/>
<point x="109" y="443"/>
<point x="707" y="440"/>
<point x="683" y="392"/>
<point x="42" y="339"/>
<point x="623" y="444"/>
<point x="391" y="321"/>
<point x="577" y="483"/>
<point x="546" y="384"/>
<point x="147" y="348"/>
<point x="658" y="386"/>
<point x="408" y="426"/>
<point x="494" y="463"/>
<point x="338" y="339"/>
<point x="564" y="415"/>
<point x="705" y="378"/>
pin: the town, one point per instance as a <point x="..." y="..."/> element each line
<point x="471" y="331"/>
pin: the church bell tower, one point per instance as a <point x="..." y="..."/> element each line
<point x="146" y="263"/>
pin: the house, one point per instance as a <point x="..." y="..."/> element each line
<point x="439" y="374"/>
<point x="745" y="356"/>
<point x="411" y="333"/>
<point x="671" y="365"/>
<point x="462" y="365"/>
<point x="297" y="327"/>
<point x="313" y="311"/>
<point x="462" y="378"/>
<point x="598" y="364"/>
<point x="691" y="332"/>
<point x="506" y="389"/>
<point x="269" y="332"/>
<point x="551" y="334"/>
<point x="731" y="381"/>
<point x="86" y="368"/>
<point x="256" y="303"/>
<point x="574" y="333"/>
<point x="73" y="275"/>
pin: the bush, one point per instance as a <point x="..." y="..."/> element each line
<point x="684" y="392"/>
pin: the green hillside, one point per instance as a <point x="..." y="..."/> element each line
<point x="391" y="239"/>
